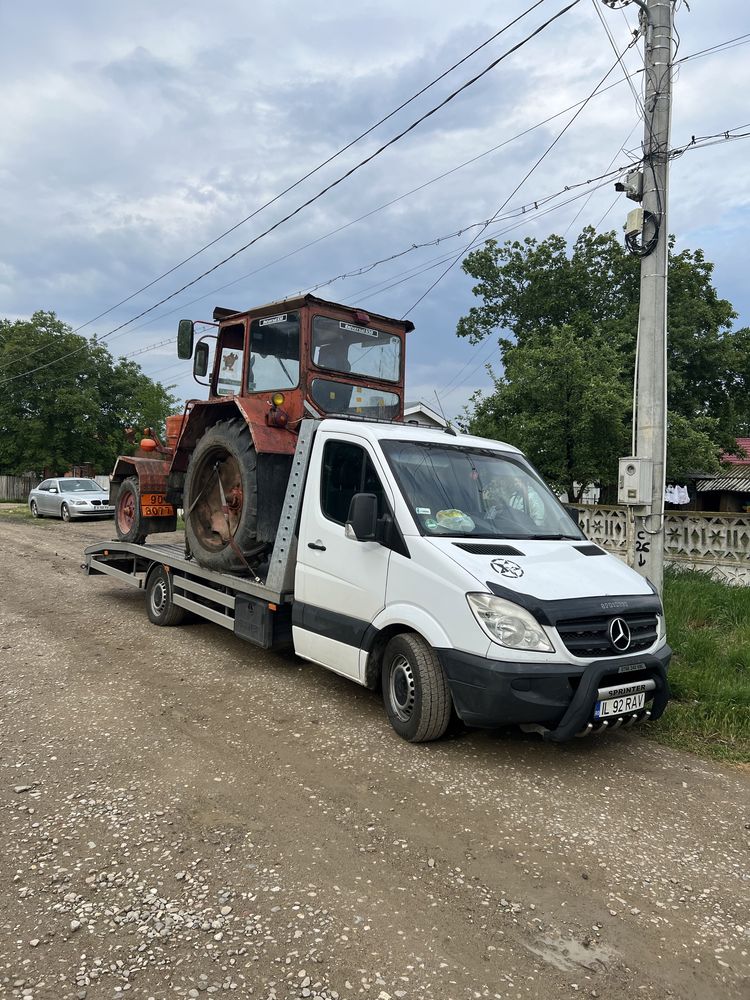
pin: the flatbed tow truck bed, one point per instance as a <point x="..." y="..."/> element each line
<point x="248" y="607"/>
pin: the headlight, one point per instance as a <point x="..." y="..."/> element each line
<point x="79" y="503"/>
<point x="509" y="624"/>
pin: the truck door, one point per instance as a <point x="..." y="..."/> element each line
<point x="339" y="582"/>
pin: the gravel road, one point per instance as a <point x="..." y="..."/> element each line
<point x="182" y="814"/>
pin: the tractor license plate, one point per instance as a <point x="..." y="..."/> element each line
<point x="154" y="505"/>
<point x="620" y="706"/>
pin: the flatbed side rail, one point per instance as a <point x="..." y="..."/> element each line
<point x="129" y="558"/>
<point x="250" y="610"/>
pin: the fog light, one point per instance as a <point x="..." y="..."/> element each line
<point x="278" y="399"/>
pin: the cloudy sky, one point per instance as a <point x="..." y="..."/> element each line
<point x="134" y="134"/>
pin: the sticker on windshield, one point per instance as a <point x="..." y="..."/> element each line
<point x="506" y="567"/>
<point x="358" y="329"/>
<point x="270" y="320"/>
<point x="423" y="510"/>
<point x="456" y="520"/>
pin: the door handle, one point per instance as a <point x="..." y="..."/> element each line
<point x="316" y="545"/>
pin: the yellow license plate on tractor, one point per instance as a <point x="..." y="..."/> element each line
<point x="154" y="505"/>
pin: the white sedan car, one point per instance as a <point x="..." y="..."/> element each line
<point x="69" y="498"/>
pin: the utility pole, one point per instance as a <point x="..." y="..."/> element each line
<point x="651" y="244"/>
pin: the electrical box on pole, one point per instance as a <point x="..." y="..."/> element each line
<point x="635" y="481"/>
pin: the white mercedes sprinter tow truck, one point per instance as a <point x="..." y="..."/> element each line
<point x="441" y="568"/>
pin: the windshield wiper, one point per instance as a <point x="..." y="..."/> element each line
<point x="553" y="538"/>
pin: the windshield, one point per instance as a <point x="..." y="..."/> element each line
<point x="357" y="400"/>
<point x="344" y="347"/>
<point x="79" y="486"/>
<point x="274" y="353"/>
<point x="458" y="491"/>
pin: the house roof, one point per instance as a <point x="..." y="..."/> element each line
<point x="736" y="481"/>
<point x="413" y="409"/>
<point x="744" y="443"/>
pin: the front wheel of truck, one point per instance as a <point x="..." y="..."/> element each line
<point x="415" y="691"/>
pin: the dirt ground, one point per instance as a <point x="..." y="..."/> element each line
<point x="182" y="814"/>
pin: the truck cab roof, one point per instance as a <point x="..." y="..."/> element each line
<point x="382" y="431"/>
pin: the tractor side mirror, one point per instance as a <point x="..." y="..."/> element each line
<point x="185" y="334"/>
<point x="362" y="522"/>
<point x="200" y="361"/>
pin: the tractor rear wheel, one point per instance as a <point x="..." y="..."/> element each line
<point x="221" y="497"/>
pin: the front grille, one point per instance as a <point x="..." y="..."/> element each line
<point x="589" y="637"/>
<point x="96" y="503"/>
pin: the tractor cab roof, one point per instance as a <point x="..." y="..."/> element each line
<point x="221" y="313"/>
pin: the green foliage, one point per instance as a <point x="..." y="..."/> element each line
<point x="560" y="406"/>
<point x="532" y="291"/>
<point x="72" y="412"/>
<point x="708" y="627"/>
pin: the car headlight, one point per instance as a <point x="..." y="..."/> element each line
<point x="79" y="503"/>
<point x="509" y="624"/>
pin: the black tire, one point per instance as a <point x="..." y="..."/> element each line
<point x="65" y="512"/>
<point x="226" y="450"/>
<point x="129" y="521"/>
<point x="34" y="510"/>
<point x="159" y="599"/>
<point x="415" y="692"/>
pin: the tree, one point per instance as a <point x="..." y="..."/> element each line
<point x="559" y="402"/>
<point x="74" y="411"/>
<point x="533" y="292"/>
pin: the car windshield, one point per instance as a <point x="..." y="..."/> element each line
<point x="459" y="491"/>
<point x="79" y="486"/>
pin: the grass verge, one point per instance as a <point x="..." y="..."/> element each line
<point x="708" y="627"/>
<point x="12" y="508"/>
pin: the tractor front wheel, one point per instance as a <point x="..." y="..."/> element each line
<point x="129" y="521"/>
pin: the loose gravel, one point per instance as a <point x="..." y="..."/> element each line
<point x="183" y="815"/>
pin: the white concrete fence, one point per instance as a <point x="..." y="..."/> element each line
<point x="715" y="543"/>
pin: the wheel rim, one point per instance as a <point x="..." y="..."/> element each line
<point x="402" y="688"/>
<point x="125" y="511"/>
<point x="159" y="597"/>
<point x="218" y="472"/>
<point x="34" y="511"/>
<point x="65" y="513"/>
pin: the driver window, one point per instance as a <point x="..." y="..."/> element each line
<point x="347" y="469"/>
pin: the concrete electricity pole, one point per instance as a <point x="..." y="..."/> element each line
<point x="648" y="238"/>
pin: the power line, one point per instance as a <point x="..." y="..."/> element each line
<point x="320" y="166"/>
<point x="714" y="49"/>
<point x="523" y="180"/>
<point x="696" y="142"/>
<point x="326" y="189"/>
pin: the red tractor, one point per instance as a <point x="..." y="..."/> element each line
<point x="228" y="458"/>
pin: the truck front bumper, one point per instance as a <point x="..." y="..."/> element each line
<point x="558" y="697"/>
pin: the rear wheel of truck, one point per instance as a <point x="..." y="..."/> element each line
<point x="415" y="691"/>
<point x="129" y="521"/>
<point x="160" y="599"/>
<point x="222" y="474"/>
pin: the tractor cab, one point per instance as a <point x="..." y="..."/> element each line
<point x="337" y="359"/>
<point x="228" y="457"/>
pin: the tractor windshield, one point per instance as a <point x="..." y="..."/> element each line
<point x="274" y="353"/>
<point x="344" y="347"/>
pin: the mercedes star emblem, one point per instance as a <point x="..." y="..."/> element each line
<point x="619" y="634"/>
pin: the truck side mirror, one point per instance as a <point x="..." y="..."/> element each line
<point x="200" y="361"/>
<point x="362" y="522"/>
<point x="185" y="334"/>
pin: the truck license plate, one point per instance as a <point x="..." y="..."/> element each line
<point x="154" y="505"/>
<point x="620" y="706"/>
